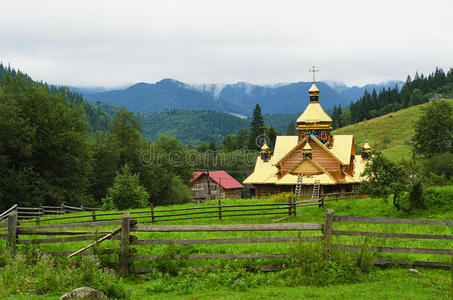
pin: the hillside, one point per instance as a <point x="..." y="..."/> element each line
<point x="387" y="133"/>
<point x="192" y="127"/>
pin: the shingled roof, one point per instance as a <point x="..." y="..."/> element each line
<point x="221" y="177"/>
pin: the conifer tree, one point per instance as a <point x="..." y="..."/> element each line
<point x="256" y="128"/>
<point x="291" y="129"/>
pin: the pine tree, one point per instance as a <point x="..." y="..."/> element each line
<point x="256" y="128"/>
<point x="291" y="129"/>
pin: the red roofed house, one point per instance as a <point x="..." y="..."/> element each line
<point x="221" y="184"/>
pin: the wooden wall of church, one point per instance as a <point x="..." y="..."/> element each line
<point x="324" y="159"/>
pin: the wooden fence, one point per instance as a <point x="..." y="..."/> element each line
<point x="218" y="211"/>
<point x="129" y="241"/>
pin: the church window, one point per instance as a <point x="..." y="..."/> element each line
<point x="323" y="135"/>
<point x="302" y="135"/>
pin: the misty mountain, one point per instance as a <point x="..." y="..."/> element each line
<point x="239" y="98"/>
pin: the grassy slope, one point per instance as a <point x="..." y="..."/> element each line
<point x="433" y="283"/>
<point x="397" y="127"/>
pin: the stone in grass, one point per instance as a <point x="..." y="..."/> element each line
<point x="83" y="293"/>
<point x="413" y="271"/>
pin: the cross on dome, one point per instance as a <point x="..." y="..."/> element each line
<point x="313" y="70"/>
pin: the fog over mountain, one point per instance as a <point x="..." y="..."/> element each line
<point x="239" y="98"/>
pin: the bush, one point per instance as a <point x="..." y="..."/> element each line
<point x="126" y="191"/>
<point x="36" y="273"/>
<point x="281" y="197"/>
<point x="439" y="197"/>
<point x="416" y="196"/>
<point x="313" y="265"/>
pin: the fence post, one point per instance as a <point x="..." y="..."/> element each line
<point x="93" y="213"/>
<point x="152" y="212"/>
<point x="290" y="205"/>
<point x="220" y="209"/>
<point x="62" y="208"/>
<point x="12" y="229"/>
<point x="294" y="206"/>
<point x="125" y="239"/>
<point x="38" y="221"/>
<point x="327" y="230"/>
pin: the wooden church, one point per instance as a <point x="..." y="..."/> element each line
<point x="313" y="163"/>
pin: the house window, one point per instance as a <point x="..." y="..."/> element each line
<point x="323" y="135"/>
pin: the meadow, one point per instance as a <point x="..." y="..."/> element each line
<point x="171" y="278"/>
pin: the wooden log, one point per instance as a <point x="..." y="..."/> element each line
<point x="38" y="221"/>
<point x="66" y="253"/>
<point x="237" y="227"/>
<point x="394" y="235"/>
<point x="57" y="240"/>
<point x="23" y="231"/>
<point x="220" y="209"/>
<point x="152" y="212"/>
<point x="5" y="214"/>
<point x="73" y="207"/>
<point x="3" y="236"/>
<point x="125" y="240"/>
<point x="435" y="264"/>
<point x="77" y="224"/>
<point x="392" y="220"/>
<point x="12" y="229"/>
<point x="327" y="230"/>
<point x="227" y="241"/>
<point x="399" y="250"/>
<point x="95" y="243"/>
<point x="217" y="256"/>
<point x="33" y="213"/>
<point x="28" y="208"/>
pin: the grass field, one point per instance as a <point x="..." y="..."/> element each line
<point x="388" y="133"/>
<point x="383" y="283"/>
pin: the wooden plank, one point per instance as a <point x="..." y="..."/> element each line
<point x="79" y="224"/>
<point x="392" y="220"/>
<point x="438" y="264"/>
<point x="12" y="229"/>
<point x="94" y="243"/>
<point x="23" y="231"/>
<point x="394" y="235"/>
<point x="72" y="207"/>
<point x="216" y="256"/>
<point x="7" y="212"/>
<point x="29" y="208"/>
<point x="57" y="240"/>
<point x="237" y="227"/>
<point x="226" y="241"/>
<point x="125" y="240"/>
<point x="66" y="253"/>
<point x="35" y="213"/>
<point x="3" y="236"/>
<point x="399" y="250"/>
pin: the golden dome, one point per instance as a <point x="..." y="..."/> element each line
<point x="366" y="146"/>
<point x="313" y="89"/>
<point x="314" y="114"/>
<point x="265" y="147"/>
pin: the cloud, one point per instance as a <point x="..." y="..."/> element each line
<point x="112" y="43"/>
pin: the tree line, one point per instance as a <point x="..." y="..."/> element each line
<point x="415" y="91"/>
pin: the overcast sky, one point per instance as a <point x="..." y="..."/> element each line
<point x="115" y="43"/>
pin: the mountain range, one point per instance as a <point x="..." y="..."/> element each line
<point x="238" y="98"/>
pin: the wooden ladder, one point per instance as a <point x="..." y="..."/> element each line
<point x="298" y="190"/>
<point x="316" y="188"/>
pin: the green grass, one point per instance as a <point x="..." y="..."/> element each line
<point x="431" y="282"/>
<point x="388" y="133"/>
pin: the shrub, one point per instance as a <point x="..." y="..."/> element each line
<point x="281" y="197"/>
<point x="126" y="191"/>
<point x="313" y="265"/>
<point x="439" y="197"/>
<point x="36" y="273"/>
<point x="416" y="196"/>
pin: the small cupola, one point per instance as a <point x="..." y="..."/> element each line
<point x="366" y="150"/>
<point x="265" y="151"/>
<point x="307" y="150"/>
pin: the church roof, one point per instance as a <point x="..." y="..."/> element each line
<point x="314" y="114"/>
<point x="342" y="150"/>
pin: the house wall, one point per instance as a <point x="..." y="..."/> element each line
<point x="266" y="190"/>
